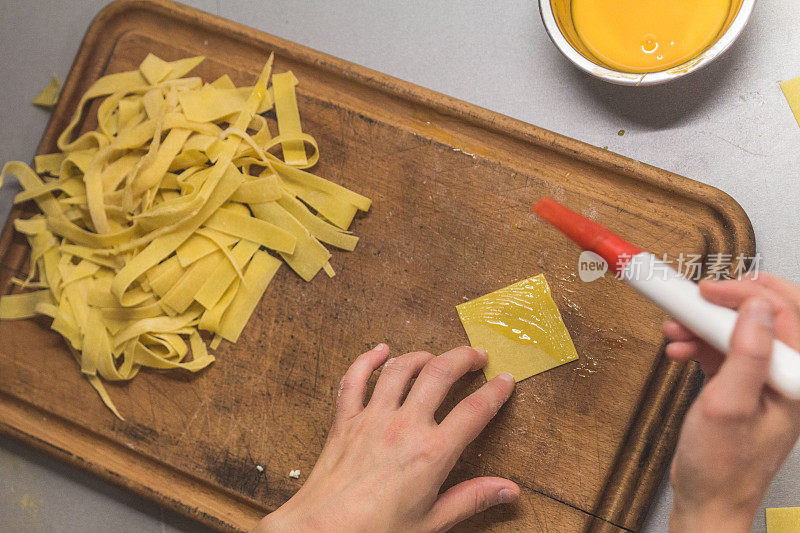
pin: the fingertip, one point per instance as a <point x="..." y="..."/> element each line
<point x="507" y="382"/>
<point x="707" y="284"/>
<point x="381" y="352"/>
<point x="372" y="359"/>
<point x="508" y="495"/>
<point x="507" y="377"/>
<point x="381" y="348"/>
<point x="352" y="387"/>
<point x="469" y="498"/>
<point x="681" y="351"/>
<point x="714" y="286"/>
<point x="480" y="361"/>
<point x="759" y="311"/>
<point x="669" y="352"/>
<point x="671" y="329"/>
<point x="755" y="275"/>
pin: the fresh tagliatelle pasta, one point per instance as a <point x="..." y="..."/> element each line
<point x="169" y="217"/>
<point x="48" y="97"/>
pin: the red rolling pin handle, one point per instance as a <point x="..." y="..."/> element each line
<point x="587" y="234"/>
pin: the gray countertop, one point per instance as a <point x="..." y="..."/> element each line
<point x="728" y="126"/>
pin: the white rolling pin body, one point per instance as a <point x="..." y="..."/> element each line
<point x="681" y="298"/>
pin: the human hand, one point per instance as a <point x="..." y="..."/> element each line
<point x="739" y="431"/>
<point x="383" y="465"/>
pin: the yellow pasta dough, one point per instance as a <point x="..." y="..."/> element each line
<point x="783" y="519"/>
<point x="48" y="97"/>
<point x="161" y="222"/>
<point x="791" y="90"/>
<point x="521" y="329"/>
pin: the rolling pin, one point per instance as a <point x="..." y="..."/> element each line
<point x="665" y="287"/>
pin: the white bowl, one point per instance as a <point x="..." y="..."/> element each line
<point x="649" y="78"/>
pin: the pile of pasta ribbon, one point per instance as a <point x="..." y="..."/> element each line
<point x="164" y="220"/>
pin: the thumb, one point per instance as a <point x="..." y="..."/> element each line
<point x="470" y="498"/>
<point x="744" y="373"/>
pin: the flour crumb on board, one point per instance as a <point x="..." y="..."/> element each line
<point x="259" y="468"/>
<point x="590" y="213"/>
<point x="294" y="474"/>
<point x="558" y="192"/>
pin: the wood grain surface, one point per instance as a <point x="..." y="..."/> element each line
<point x="452" y="185"/>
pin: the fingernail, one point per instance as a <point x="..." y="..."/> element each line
<point x="379" y="348"/>
<point x="482" y="352"/>
<point x="505" y="376"/>
<point x="507" y="496"/>
<point x="760" y="310"/>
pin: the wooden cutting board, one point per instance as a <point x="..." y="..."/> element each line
<point x="452" y="185"/>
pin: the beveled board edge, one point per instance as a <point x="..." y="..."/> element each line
<point x="628" y="492"/>
<point x="217" y="508"/>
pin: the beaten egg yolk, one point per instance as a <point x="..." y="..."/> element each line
<point x="648" y="35"/>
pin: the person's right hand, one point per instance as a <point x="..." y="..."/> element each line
<point x="739" y="431"/>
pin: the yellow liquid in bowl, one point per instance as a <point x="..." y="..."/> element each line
<point x="648" y="35"/>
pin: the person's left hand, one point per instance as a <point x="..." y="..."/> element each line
<point x="739" y="430"/>
<point x="383" y="465"/>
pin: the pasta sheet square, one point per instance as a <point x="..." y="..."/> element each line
<point x="521" y="329"/>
